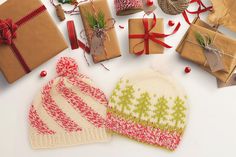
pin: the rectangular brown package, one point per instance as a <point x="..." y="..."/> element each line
<point x="136" y="27"/>
<point x="190" y="49"/>
<point x="111" y="44"/>
<point x="37" y="40"/>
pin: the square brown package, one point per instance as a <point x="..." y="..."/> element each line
<point x="136" y="27"/>
<point x="191" y="50"/>
<point x="111" y="44"/>
<point x="37" y="40"/>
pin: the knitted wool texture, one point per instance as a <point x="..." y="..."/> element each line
<point x="150" y="108"/>
<point x="69" y="110"/>
<point x="173" y="7"/>
<point x="126" y="7"/>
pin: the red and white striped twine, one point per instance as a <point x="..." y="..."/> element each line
<point x="122" y="5"/>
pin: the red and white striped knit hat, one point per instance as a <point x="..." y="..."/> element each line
<point x="69" y="110"/>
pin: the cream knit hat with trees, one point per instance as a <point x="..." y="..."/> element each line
<point x="69" y="110"/>
<point x="150" y="108"/>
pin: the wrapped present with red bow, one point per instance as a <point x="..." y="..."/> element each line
<point x="146" y="36"/>
<point x="28" y="37"/>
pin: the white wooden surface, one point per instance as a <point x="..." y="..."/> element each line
<point x="211" y="129"/>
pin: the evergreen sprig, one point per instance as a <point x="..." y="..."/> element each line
<point x="203" y="40"/>
<point x="101" y="19"/>
<point x="96" y="21"/>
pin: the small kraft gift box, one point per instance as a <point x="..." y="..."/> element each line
<point x="28" y="37"/>
<point x="146" y="36"/>
<point x="99" y="28"/>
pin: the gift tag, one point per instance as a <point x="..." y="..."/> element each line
<point x="97" y="46"/>
<point x="148" y="8"/>
<point x="231" y="82"/>
<point x="214" y="59"/>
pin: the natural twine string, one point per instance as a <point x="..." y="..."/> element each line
<point x="221" y="52"/>
<point x="173" y="7"/>
<point x="73" y="11"/>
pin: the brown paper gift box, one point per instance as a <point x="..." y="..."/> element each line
<point x="37" y="40"/>
<point x="223" y="13"/>
<point x="190" y="49"/>
<point x="111" y="45"/>
<point x="136" y="27"/>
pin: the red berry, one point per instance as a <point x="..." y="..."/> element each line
<point x="43" y="74"/>
<point x="187" y="70"/>
<point x="171" y="23"/>
<point x="149" y="3"/>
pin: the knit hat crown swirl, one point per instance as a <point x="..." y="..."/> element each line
<point x="69" y="110"/>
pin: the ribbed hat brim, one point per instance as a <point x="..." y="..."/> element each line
<point x="69" y="139"/>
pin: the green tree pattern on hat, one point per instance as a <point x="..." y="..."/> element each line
<point x="114" y="93"/>
<point x="166" y="113"/>
<point x="126" y="98"/>
<point x="142" y="107"/>
<point x="178" y="116"/>
<point x="161" y="110"/>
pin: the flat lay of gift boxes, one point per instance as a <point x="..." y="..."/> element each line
<point x="146" y="106"/>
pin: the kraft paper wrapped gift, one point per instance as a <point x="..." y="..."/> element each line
<point x="136" y="44"/>
<point x="111" y="46"/>
<point x="223" y="13"/>
<point x="191" y="50"/>
<point x="31" y="39"/>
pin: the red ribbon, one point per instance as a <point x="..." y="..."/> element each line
<point x="201" y="9"/>
<point x="75" y="42"/>
<point x="148" y="35"/>
<point x="8" y="33"/>
<point x="72" y="35"/>
<point x="83" y="46"/>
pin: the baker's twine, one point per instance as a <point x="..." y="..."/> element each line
<point x="173" y="7"/>
<point x="220" y="51"/>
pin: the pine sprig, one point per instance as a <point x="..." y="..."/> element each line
<point x="203" y="40"/>
<point x="101" y="19"/>
<point x="96" y="21"/>
<point x="91" y="20"/>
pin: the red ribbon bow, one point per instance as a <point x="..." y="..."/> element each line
<point x="148" y="35"/>
<point x="7" y="31"/>
<point x="201" y="9"/>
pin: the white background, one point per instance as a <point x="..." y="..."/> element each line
<point x="211" y="129"/>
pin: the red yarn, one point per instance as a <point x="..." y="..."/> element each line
<point x="122" y="5"/>
<point x="67" y="66"/>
